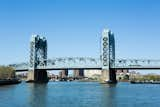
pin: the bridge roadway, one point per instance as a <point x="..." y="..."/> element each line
<point x="98" y="68"/>
<point x="91" y="63"/>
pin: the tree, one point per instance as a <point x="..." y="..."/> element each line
<point x="6" y="72"/>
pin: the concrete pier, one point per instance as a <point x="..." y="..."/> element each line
<point x="78" y="73"/>
<point x="37" y="76"/>
<point x="63" y="75"/>
<point x="108" y="76"/>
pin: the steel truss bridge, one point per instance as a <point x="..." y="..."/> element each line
<point x="38" y="58"/>
<point x="39" y="63"/>
<point x="91" y="63"/>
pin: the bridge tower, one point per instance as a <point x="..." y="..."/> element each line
<point x="38" y="59"/>
<point x="108" y="57"/>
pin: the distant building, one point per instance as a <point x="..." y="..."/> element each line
<point x="92" y="73"/>
<point x="122" y="74"/>
<point x="119" y="72"/>
<point x="63" y="73"/>
<point x="60" y="74"/>
<point x="134" y="74"/>
<point x="78" y="73"/>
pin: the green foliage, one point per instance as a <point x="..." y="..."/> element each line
<point x="126" y="77"/>
<point x="6" y="72"/>
<point x="148" y="78"/>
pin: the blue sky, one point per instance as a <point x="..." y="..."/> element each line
<point x="73" y="27"/>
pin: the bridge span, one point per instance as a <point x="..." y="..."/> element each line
<point x="72" y="63"/>
<point x="39" y="63"/>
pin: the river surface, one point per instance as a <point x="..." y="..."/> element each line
<point x="80" y="94"/>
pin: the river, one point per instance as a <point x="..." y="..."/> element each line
<point x="80" y="94"/>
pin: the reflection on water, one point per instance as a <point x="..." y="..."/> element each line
<point x="108" y="95"/>
<point x="79" y="94"/>
<point x="37" y="95"/>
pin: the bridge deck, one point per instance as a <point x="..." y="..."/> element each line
<point x="91" y="63"/>
<point x="116" y="68"/>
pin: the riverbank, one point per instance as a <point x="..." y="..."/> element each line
<point x="9" y="81"/>
<point x="145" y="82"/>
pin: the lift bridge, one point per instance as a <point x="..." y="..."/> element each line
<point x="106" y="62"/>
<point x="72" y="63"/>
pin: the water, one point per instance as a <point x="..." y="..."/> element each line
<point x="80" y="94"/>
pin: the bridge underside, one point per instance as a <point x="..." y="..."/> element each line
<point x="118" y="68"/>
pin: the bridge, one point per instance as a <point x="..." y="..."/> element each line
<point x="72" y="63"/>
<point x="106" y="62"/>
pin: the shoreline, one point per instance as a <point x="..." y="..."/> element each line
<point x="9" y="81"/>
<point x="145" y="82"/>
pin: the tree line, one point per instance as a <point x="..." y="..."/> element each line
<point x="7" y="72"/>
<point x="147" y="77"/>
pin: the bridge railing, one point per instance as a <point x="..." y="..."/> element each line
<point x="65" y="62"/>
<point x="137" y="63"/>
<point x="87" y="62"/>
<point x="74" y="62"/>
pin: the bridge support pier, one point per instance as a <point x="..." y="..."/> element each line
<point x="37" y="76"/>
<point x="108" y="76"/>
<point x="63" y="75"/>
<point x="78" y="73"/>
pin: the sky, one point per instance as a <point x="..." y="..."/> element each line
<point x="73" y="27"/>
